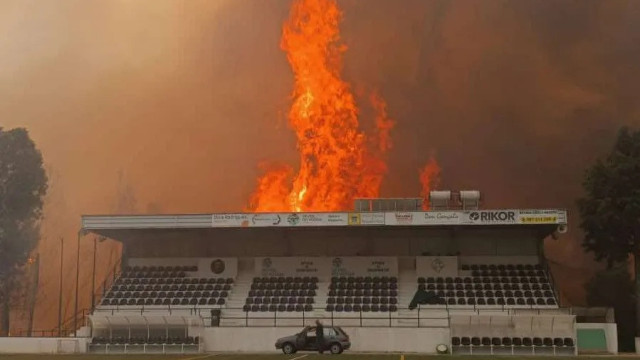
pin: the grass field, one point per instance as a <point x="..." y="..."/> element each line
<point x="299" y="356"/>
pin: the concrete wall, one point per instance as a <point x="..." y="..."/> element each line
<point x="610" y="332"/>
<point x="418" y="340"/>
<point x="34" y="345"/>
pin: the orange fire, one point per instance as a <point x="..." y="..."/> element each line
<point x="338" y="162"/>
<point x="430" y="179"/>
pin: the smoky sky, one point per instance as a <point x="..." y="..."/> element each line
<point x="168" y="106"/>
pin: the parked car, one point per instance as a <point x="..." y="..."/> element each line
<point x="336" y="340"/>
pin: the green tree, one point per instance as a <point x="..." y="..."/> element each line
<point x="610" y="209"/>
<point x="23" y="183"/>
<point x="614" y="288"/>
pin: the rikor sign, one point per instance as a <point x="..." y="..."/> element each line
<point x="493" y="217"/>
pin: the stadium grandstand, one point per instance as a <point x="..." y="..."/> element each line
<point x="454" y="279"/>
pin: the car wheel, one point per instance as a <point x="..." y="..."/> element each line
<point x="336" y="348"/>
<point x="288" y="348"/>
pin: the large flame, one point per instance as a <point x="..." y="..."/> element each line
<point x="337" y="161"/>
<point x="430" y="179"/>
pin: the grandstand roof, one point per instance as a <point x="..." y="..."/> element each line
<point x="543" y="221"/>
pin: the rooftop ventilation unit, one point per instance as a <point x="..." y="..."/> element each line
<point x="470" y="199"/>
<point x="439" y="200"/>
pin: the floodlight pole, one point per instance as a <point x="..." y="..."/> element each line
<point x="75" y="304"/>
<point x="60" y="287"/>
<point x="93" y="276"/>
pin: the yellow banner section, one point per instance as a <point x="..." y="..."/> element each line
<point x="538" y="219"/>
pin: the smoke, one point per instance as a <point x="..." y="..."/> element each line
<point x="175" y="103"/>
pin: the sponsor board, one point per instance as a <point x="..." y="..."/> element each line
<point x="367" y="218"/>
<point x="407" y="218"/>
<point x="437" y="266"/>
<point x="207" y="267"/>
<point x="231" y="220"/>
<point x="372" y="218"/>
<point x="292" y="266"/>
<point x="266" y="220"/>
<point x="364" y="266"/>
<point x="336" y="219"/>
<point x="401" y="218"/>
<point x="542" y="216"/>
<point x="442" y="218"/>
<point x="315" y="219"/>
<point x="492" y="217"/>
<point x="540" y="219"/>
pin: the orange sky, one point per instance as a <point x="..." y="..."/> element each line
<point x="169" y="106"/>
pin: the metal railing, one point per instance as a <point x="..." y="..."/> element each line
<point x="423" y="314"/>
<point x="42" y="333"/>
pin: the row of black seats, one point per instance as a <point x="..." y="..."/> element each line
<point x="384" y="292"/>
<point x="191" y="268"/>
<point x="285" y="286"/>
<point x="146" y="340"/>
<point x="278" y="308"/>
<point x="183" y="287"/>
<point x="285" y="279"/>
<point x="498" y="293"/>
<point x="362" y="300"/>
<point x="279" y="300"/>
<point x="501" y="267"/>
<point x="484" y="280"/>
<point x="361" y="308"/>
<point x="169" y="294"/>
<point x="171" y="281"/>
<point x="269" y="293"/>
<point x="486" y="287"/>
<point x="364" y="279"/>
<point x="363" y="286"/>
<point x="494" y="301"/>
<point x="511" y="341"/>
<point x="507" y="273"/>
<point x="164" y="301"/>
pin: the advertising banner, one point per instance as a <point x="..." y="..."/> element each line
<point x="217" y="267"/>
<point x="406" y="218"/>
<point x="364" y="266"/>
<point x="293" y="266"/>
<point x="402" y="218"/>
<point x="207" y="267"/>
<point x="541" y="217"/>
<point x="437" y="266"/>
<point x="230" y="220"/>
<point x="366" y="218"/>
<point x="441" y="218"/>
<point x="486" y="217"/>
<point x="314" y="219"/>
